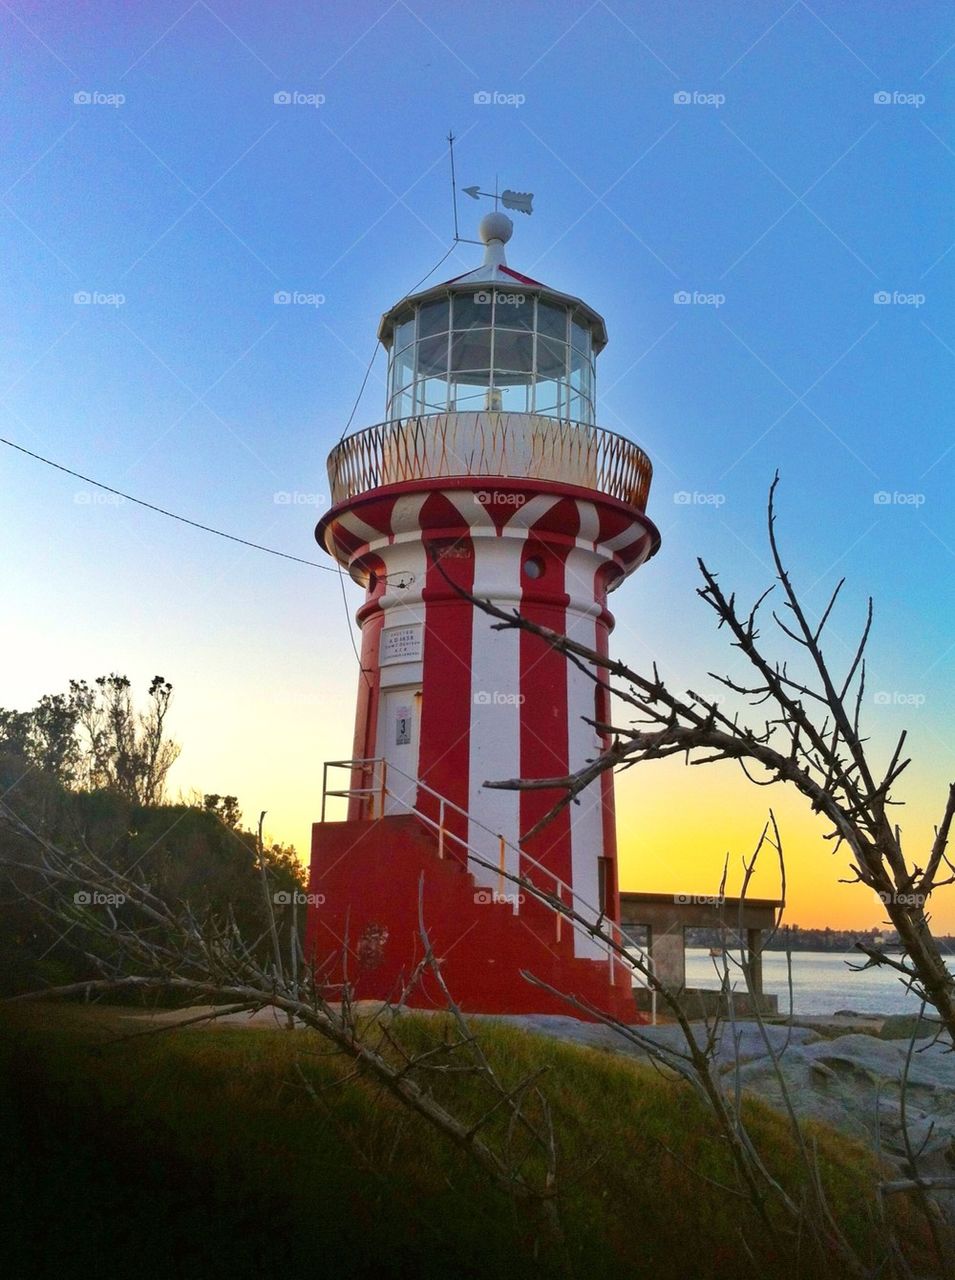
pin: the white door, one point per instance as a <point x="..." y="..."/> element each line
<point x="398" y="735"/>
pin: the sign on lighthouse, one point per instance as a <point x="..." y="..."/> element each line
<point x="488" y="479"/>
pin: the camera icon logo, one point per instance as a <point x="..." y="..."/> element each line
<point x="681" y="98"/>
<point x="482" y="98"/>
<point x="881" y="98"/>
<point x="482" y="298"/>
<point x="282" y="98"/>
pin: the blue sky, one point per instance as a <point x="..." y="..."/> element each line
<point x="736" y="153"/>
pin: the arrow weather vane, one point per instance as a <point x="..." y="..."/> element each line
<point x="519" y="200"/>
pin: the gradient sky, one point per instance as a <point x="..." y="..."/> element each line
<point x="784" y="187"/>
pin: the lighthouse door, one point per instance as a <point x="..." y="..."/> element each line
<point x="399" y="734"/>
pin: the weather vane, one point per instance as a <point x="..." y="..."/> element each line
<point x="519" y="200"/>
<point x="522" y="201"/>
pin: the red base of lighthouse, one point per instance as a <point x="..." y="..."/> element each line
<point x="364" y="929"/>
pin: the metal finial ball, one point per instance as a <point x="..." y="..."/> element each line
<point x="495" y="226"/>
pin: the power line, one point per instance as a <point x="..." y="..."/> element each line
<point x="172" y="515"/>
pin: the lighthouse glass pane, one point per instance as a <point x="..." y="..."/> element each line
<point x="402" y="369"/>
<point x="551" y="358"/>
<point x="433" y="355"/>
<point x="472" y="310"/>
<point x="580" y="374"/>
<point x="433" y="318"/>
<point x="513" y="350"/>
<point x="551" y="320"/>
<point x="404" y="332"/>
<point x="431" y="395"/>
<point x="514" y="398"/>
<point x="579" y="410"/>
<point x="471" y="391"/>
<point x="471" y="349"/>
<point x="546" y="396"/>
<point x="402" y="405"/>
<point x="514" y="310"/>
<point x="580" y="338"/>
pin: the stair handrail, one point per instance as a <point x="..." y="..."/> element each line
<point x="383" y="789"/>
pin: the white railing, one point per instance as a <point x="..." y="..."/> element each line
<point x="489" y="443"/>
<point x="377" y="791"/>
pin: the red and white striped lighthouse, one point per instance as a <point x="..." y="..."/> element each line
<point x="488" y="478"/>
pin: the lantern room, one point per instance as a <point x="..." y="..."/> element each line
<point x="492" y="340"/>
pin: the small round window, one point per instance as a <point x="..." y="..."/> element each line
<point x="534" y="567"/>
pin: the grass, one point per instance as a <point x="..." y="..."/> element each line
<point x="202" y="1153"/>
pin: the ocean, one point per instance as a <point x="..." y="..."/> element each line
<point x="822" y="982"/>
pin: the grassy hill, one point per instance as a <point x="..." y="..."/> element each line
<point x="256" y="1152"/>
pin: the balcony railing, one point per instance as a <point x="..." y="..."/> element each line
<point x="513" y="445"/>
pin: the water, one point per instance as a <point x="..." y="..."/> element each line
<point x="822" y="982"/>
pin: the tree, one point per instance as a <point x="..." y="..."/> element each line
<point x="225" y="808"/>
<point x="125" y="750"/>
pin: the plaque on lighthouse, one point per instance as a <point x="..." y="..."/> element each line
<point x="400" y="644"/>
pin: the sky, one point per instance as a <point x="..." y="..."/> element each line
<point x="757" y="198"/>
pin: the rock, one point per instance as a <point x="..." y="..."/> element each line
<point x="902" y="1026"/>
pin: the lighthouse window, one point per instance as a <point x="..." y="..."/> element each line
<point x="513" y="350"/>
<point x="473" y="310"/>
<point x="551" y="358"/>
<point x="433" y="354"/>
<point x="433" y="318"/>
<point x="513" y="310"/>
<point x="533" y="568"/>
<point x="552" y="320"/>
<point x="580" y="338"/>
<point x="471" y="349"/>
<point x="546" y="396"/>
<point x="404" y="332"/>
<point x="515" y="398"/>
<point x="472" y="391"/>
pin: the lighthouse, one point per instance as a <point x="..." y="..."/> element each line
<point x="488" y="479"/>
